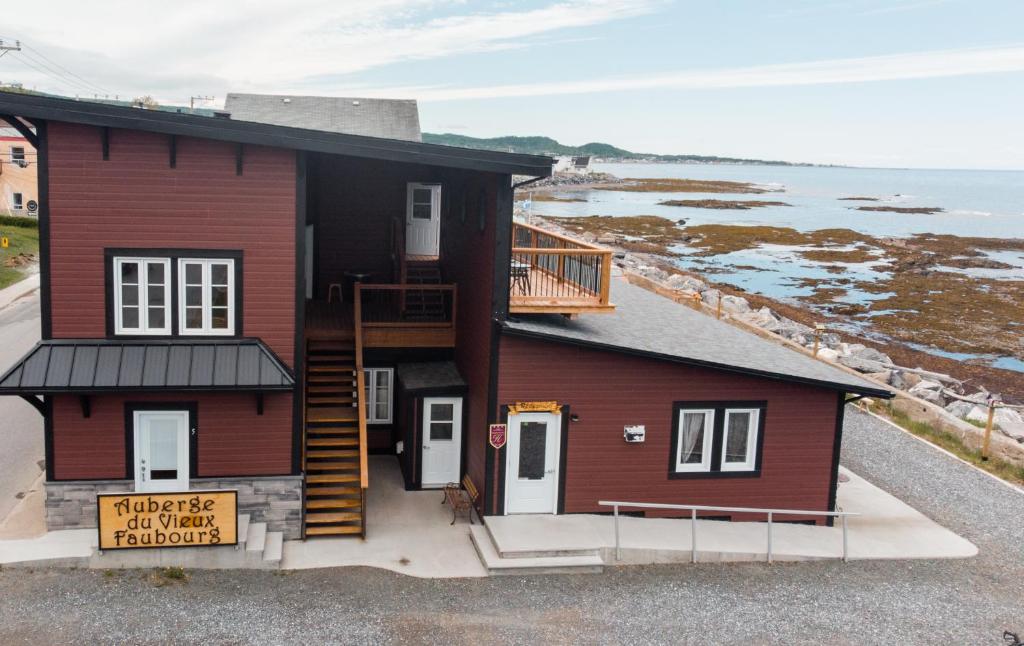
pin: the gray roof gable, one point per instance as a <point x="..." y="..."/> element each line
<point x="649" y="324"/>
<point x="383" y="118"/>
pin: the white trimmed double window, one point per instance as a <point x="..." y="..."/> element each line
<point x="716" y="439"/>
<point x="142" y="296"/>
<point x="379" y="383"/>
<point x="206" y="296"/>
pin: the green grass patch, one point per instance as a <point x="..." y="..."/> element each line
<point x="19" y="221"/>
<point x="22" y="251"/>
<point x="950" y="442"/>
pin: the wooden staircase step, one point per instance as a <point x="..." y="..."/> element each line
<point x="347" y="389"/>
<point x="332" y="491"/>
<point x="333" y="454"/>
<point x="338" y="517"/>
<point x="317" y="358"/>
<point x="323" y="346"/>
<point x="332" y="368"/>
<point x="332" y="466"/>
<point x="329" y="400"/>
<point x="333" y="430"/>
<point x="333" y="441"/>
<point x="333" y="414"/>
<point x="328" y="530"/>
<point x="342" y="503"/>
<point x="333" y="477"/>
<point x="333" y="379"/>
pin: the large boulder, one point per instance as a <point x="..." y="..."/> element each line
<point x="735" y="304"/>
<point x="904" y="380"/>
<point x="828" y="354"/>
<point x="861" y="365"/>
<point x="930" y="391"/>
<point x="1010" y="422"/>
<point x="862" y="352"/>
<point x="762" y="318"/>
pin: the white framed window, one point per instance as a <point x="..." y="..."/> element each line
<point x="18" y="156"/>
<point x="17" y="201"/>
<point x="379" y="385"/>
<point x="739" y="439"/>
<point x="142" y="295"/>
<point x="206" y="296"/>
<point x="694" y="440"/>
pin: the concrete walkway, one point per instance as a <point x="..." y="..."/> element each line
<point x="407" y="532"/>
<point x="887" y="529"/>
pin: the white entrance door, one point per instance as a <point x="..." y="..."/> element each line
<point x="531" y="470"/>
<point x="161" y="450"/>
<point x="423" y="219"/>
<point x="442" y="440"/>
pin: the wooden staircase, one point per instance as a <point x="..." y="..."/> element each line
<point x="426" y="305"/>
<point x="335" y="450"/>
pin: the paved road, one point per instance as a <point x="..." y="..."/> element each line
<point x="935" y="602"/>
<point x="21" y="427"/>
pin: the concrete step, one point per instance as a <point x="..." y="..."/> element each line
<point x="257" y="539"/>
<point x="496" y="564"/>
<point x="273" y="549"/>
<point x="243" y="528"/>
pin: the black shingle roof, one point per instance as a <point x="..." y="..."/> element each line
<point x="647" y="324"/>
<point x="90" y="365"/>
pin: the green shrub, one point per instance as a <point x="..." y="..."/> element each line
<point x="19" y="221"/>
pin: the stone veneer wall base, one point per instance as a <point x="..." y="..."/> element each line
<point x="274" y="500"/>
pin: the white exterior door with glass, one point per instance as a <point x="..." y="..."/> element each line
<point x="423" y="219"/>
<point x="532" y="454"/>
<point x="442" y="441"/>
<point x="161" y="450"/>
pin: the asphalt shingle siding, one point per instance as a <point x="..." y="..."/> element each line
<point x="89" y="366"/>
<point x="383" y="118"/>
<point x="653" y="325"/>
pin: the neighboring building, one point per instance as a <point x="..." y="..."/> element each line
<point x="384" y="118"/>
<point x="580" y="165"/>
<point x="18" y="192"/>
<point x="202" y="328"/>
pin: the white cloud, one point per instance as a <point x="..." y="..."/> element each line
<point x="896" y="67"/>
<point x="199" y="46"/>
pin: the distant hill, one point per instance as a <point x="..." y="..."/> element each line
<point x="548" y="146"/>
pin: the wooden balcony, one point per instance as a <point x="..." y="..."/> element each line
<point x="555" y="274"/>
<point x="407" y="316"/>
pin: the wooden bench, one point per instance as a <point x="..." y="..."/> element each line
<point x="461" y="497"/>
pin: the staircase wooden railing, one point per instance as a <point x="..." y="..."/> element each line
<point x="552" y="273"/>
<point x="406" y="316"/>
<point x="364" y="467"/>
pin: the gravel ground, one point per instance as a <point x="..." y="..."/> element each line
<point x="936" y="602"/>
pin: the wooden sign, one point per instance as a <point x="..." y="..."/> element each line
<point x="534" y="407"/>
<point x="181" y="519"/>
<point x="497" y="434"/>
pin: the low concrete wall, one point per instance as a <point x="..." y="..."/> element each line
<point x="274" y="500"/>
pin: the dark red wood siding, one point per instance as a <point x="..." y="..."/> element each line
<point x="233" y="439"/>
<point x="136" y="200"/>
<point x="610" y="390"/>
<point x="469" y="262"/>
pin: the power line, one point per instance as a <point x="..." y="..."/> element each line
<point x="43" y="56"/>
<point x="38" y="61"/>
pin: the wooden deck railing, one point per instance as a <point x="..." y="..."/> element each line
<point x="364" y="467"/>
<point x="555" y="273"/>
<point x="420" y="315"/>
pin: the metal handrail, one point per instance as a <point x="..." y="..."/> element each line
<point x="693" y="509"/>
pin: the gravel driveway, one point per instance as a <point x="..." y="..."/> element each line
<point x="934" y="602"/>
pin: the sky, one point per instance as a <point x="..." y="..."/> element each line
<point x="891" y="83"/>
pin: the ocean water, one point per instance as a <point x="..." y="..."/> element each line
<point x="987" y="204"/>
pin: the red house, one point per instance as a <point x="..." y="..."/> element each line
<point x="229" y="304"/>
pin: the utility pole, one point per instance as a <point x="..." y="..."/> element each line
<point x="192" y="101"/>
<point x="16" y="47"/>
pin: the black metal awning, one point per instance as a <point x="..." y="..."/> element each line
<point x="87" y="366"/>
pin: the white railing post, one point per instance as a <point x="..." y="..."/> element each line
<point x="693" y="536"/>
<point x="769" y="537"/>
<point x="618" y="553"/>
<point x="846" y="546"/>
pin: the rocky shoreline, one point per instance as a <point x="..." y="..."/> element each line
<point x="965" y="395"/>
